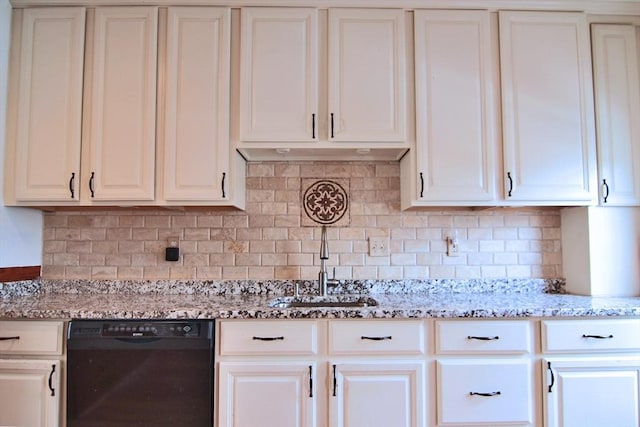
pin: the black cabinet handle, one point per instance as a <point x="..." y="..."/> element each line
<point x="53" y="370"/>
<point x="388" y="337"/>
<point x="93" y="175"/>
<point x="553" y="377"/>
<point x="493" y="393"/>
<point x="331" y="125"/>
<point x="268" y="338"/>
<point x="72" y="184"/>
<point x="9" y="338"/>
<point x="335" y="381"/>
<point x="598" y="337"/>
<point x="224" y="176"/>
<point x="313" y="126"/>
<point x="510" y="183"/>
<point x="605" y="186"/>
<point x="471" y="337"/>
<point x="310" y="381"/>
<point x="421" y="185"/>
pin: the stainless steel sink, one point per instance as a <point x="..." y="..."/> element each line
<point x="319" y="302"/>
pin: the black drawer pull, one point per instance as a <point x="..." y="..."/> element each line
<point x="50" y="382"/>
<point x="9" y="338"/>
<point x="471" y="337"/>
<point x="268" y="338"/>
<point x="493" y="393"/>
<point x="598" y="337"/>
<point x="388" y="337"/>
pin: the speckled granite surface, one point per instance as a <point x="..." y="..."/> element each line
<point x="247" y="299"/>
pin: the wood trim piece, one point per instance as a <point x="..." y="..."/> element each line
<point x="14" y="274"/>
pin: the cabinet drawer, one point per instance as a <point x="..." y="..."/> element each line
<point x="590" y="335"/>
<point x="27" y="337"/>
<point x="282" y="337"/>
<point x="483" y="336"/>
<point x="376" y="337"/>
<point x="484" y="392"/>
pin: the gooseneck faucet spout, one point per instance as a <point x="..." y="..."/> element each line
<point x="323" y="276"/>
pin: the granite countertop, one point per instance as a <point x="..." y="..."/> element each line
<point x="250" y="300"/>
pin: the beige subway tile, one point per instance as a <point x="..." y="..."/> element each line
<point x="420" y="272"/>
<point x="430" y="234"/>
<point x="552" y="258"/>
<point x="144" y="260"/>
<point x="275" y="233"/>
<point x="364" y="221"/>
<point x="182" y="272"/>
<point x="415" y="221"/>
<point x="208" y="273"/>
<point x="80" y="221"/>
<point x="377" y="260"/>
<point x="66" y="259"/>
<point x="390" y="221"/>
<point x="290" y="196"/>
<point x="236" y="246"/>
<point x="348" y="259"/>
<point x="119" y="260"/>
<point x="288" y="246"/>
<point x="54" y="246"/>
<point x="258" y="221"/>
<point x="465" y="221"/>
<point x="391" y="169"/>
<point x="278" y="259"/>
<point x="144" y="234"/>
<point x="130" y="273"/>
<point x="47" y="259"/>
<point x="480" y="234"/>
<point x="287" y="273"/>
<point x="53" y="272"/>
<point x="260" y="273"/>
<point x="196" y="233"/>
<point x="253" y="183"/>
<point x="104" y="273"/>
<point x="132" y="221"/>
<point x="260" y="169"/>
<point x="505" y="258"/>
<point x="156" y="272"/>
<point x="223" y="234"/>
<point x="551" y="233"/>
<point x="130" y="247"/>
<point x="93" y="233"/>
<point x="516" y="221"/>
<point x="493" y="271"/>
<point x="287" y="221"/>
<point x="467" y="272"/>
<point x="210" y="247"/>
<point x="262" y="247"/>
<point x="68" y="234"/>
<point x="516" y="246"/>
<point x="55" y="220"/>
<point x="365" y="273"/>
<point x="299" y="259"/>
<point x="77" y="272"/>
<point x="529" y="258"/>
<point x="249" y="234"/>
<point x="235" y="273"/>
<point x="247" y="259"/>
<point x="287" y="169"/>
<point x="408" y="233"/>
<point x="159" y="221"/>
<point x="518" y="271"/>
<point x="209" y="221"/>
<point x="104" y="221"/>
<point x="87" y="259"/>
<point x="440" y="221"/>
<point x="183" y="221"/>
<point x="529" y="233"/>
<point x="260" y="196"/>
<point x="119" y="234"/>
<point x="415" y="246"/>
<point x="455" y="260"/>
<point x="390" y="273"/>
<point x="274" y="208"/>
<point x="405" y="259"/>
<point x="273" y="183"/>
<point x="224" y="259"/>
<point x="235" y="221"/>
<point x="491" y="220"/>
<point x="491" y="246"/>
<point x="550" y="220"/>
<point x="104" y="247"/>
<point x="429" y="258"/>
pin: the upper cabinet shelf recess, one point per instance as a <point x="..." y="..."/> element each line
<point x="300" y="98"/>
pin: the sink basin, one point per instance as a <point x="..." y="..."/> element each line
<point x="340" y="301"/>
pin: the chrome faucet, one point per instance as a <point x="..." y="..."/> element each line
<point x="323" y="276"/>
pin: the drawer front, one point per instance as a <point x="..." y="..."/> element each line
<point x="376" y="337"/>
<point x="590" y="335"/>
<point x="31" y="337"/>
<point x="483" y="336"/>
<point x="269" y="337"/>
<point x="484" y="392"/>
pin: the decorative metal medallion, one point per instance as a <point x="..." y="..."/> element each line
<point x="325" y="202"/>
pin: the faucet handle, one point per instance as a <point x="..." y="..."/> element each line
<point x="334" y="274"/>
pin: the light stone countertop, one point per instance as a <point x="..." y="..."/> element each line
<point x="250" y="300"/>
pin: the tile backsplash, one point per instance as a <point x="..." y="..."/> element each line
<point x="270" y="240"/>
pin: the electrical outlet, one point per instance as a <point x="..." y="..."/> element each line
<point x="378" y="246"/>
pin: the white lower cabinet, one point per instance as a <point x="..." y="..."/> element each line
<point x="377" y="394"/>
<point x="592" y="392"/>
<point x="30" y="373"/>
<point x="267" y="394"/>
<point x="592" y="376"/>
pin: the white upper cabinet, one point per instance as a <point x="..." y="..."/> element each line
<point x="617" y="96"/>
<point x="456" y="113"/>
<point x="45" y="117"/>
<point x="315" y="82"/>
<point x="367" y="81"/>
<point x="547" y="108"/>
<point x="278" y="74"/>
<point x="120" y="138"/>
<point x="195" y="154"/>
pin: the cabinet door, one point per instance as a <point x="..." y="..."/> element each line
<point x="48" y="76"/>
<point x="617" y="96"/>
<point x="378" y="394"/>
<point x="29" y="393"/>
<point x="195" y="148"/>
<point x="592" y="392"/>
<point x="120" y="141"/>
<point x="367" y="83"/>
<point x="455" y="106"/>
<point x="278" y="74"/>
<point x="267" y="394"/>
<point x="484" y="392"/>
<point x="547" y="105"/>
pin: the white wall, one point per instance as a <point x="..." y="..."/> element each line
<point x="20" y="229"/>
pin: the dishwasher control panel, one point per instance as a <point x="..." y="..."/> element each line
<point x="135" y="329"/>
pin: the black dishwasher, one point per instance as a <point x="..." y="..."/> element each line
<point x="140" y="373"/>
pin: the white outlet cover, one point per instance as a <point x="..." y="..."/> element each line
<point x="378" y="246"/>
